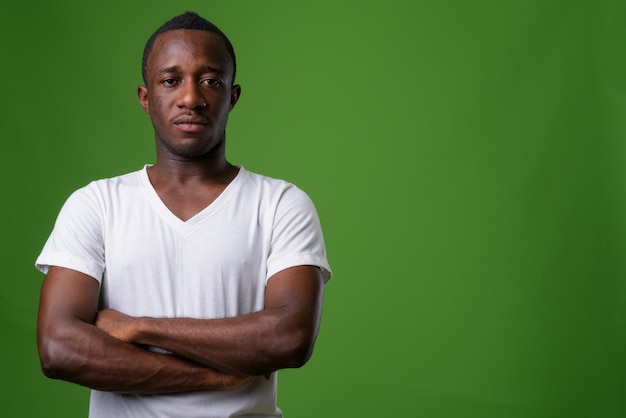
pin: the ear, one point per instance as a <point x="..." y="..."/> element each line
<point x="235" y="93"/>
<point x="142" y="95"/>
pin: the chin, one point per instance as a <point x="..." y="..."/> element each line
<point x="192" y="149"/>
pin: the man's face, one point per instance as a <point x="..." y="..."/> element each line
<point x="189" y="93"/>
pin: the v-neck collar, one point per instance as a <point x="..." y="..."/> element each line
<point x="174" y="221"/>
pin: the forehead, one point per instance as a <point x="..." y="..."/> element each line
<point x="185" y="46"/>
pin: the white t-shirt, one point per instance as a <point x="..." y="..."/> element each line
<point x="214" y="265"/>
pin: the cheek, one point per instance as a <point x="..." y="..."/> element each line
<point x="156" y="111"/>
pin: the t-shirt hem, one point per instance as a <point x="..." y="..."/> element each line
<point x="300" y="260"/>
<point x="67" y="261"/>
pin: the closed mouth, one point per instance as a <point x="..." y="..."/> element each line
<point x="189" y="120"/>
<point x="190" y="123"/>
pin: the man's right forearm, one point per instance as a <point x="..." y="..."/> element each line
<point x="82" y="354"/>
<point x="72" y="348"/>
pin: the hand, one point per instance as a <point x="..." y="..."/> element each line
<point x="116" y="324"/>
<point x="232" y="382"/>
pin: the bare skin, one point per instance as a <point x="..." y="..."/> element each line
<point x="188" y="96"/>
<point x="72" y="348"/>
<point x="279" y="336"/>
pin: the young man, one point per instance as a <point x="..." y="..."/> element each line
<point x="179" y="290"/>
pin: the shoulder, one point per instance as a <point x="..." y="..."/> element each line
<point x="98" y="192"/>
<point x="272" y="188"/>
<point x="133" y="179"/>
<point x="259" y="180"/>
<point x="282" y="200"/>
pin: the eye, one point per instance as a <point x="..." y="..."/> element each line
<point x="211" y="82"/>
<point x="169" y="82"/>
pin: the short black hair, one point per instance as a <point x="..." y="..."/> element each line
<point x="188" y="20"/>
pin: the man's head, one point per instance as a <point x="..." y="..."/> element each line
<point x="188" y="20"/>
<point x="189" y="88"/>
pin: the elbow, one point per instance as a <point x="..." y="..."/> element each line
<point x="56" y="360"/>
<point x="300" y="358"/>
<point x="297" y="349"/>
<point x="51" y="366"/>
<point x="50" y="369"/>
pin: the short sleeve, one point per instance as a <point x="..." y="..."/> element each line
<point x="76" y="241"/>
<point x="297" y="237"/>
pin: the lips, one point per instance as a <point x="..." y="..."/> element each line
<point x="190" y="123"/>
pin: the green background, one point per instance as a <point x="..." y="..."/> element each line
<point x="467" y="159"/>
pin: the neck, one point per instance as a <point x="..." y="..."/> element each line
<point x="187" y="187"/>
<point x="214" y="169"/>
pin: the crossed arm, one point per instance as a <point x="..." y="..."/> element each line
<point x="103" y="350"/>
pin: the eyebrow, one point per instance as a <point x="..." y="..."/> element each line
<point x="176" y="68"/>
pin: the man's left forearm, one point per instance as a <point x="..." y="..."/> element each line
<point x="280" y="336"/>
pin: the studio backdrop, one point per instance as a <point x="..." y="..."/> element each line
<point x="467" y="160"/>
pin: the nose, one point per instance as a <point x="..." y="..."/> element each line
<point x="191" y="96"/>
